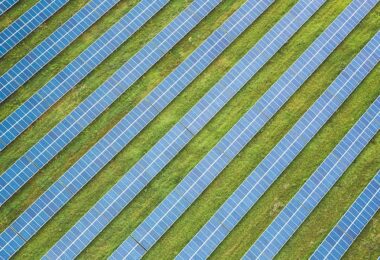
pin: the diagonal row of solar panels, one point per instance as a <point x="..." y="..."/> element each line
<point x="6" y="4"/>
<point x="248" y="193"/>
<point x="137" y="178"/>
<point x="29" y="65"/>
<point x="30" y="221"/>
<point x="231" y="144"/>
<point x="78" y="69"/>
<point x="351" y="224"/>
<point x="316" y="187"/>
<point x="64" y="132"/>
<point x="27" y="23"/>
<point x="152" y="104"/>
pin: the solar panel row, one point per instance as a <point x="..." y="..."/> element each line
<point x="78" y="69"/>
<point x="6" y="4"/>
<point x="64" y="132"/>
<point x="248" y="193"/>
<point x="27" y="23"/>
<point x="145" y="170"/>
<point x="316" y="187"/>
<point x="31" y="220"/>
<point x="176" y="203"/>
<point x="351" y="224"/>
<point x="151" y="106"/>
<point x="29" y="65"/>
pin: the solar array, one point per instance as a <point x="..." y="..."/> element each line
<point x="27" y="23"/>
<point x="160" y="220"/>
<point x="161" y="96"/>
<point x="28" y="66"/>
<point x="64" y="132"/>
<point x="176" y="203"/>
<point x="6" y="4"/>
<point x="30" y="221"/>
<point x="78" y="69"/>
<point x="351" y="224"/>
<point x="140" y="175"/>
<point x="248" y="193"/>
<point x="315" y="188"/>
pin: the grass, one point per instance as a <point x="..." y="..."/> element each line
<point x="317" y="225"/>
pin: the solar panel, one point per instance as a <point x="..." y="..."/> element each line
<point x="30" y="221"/>
<point x="6" y="4"/>
<point x="254" y="186"/>
<point x="149" y="166"/>
<point x="35" y="60"/>
<point x="155" y="102"/>
<point x="62" y="134"/>
<point x="77" y="70"/>
<point x="351" y="224"/>
<point x="316" y="187"/>
<point x="27" y="23"/>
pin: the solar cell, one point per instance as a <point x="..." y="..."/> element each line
<point x="27" y="23"/>
<point x="6" y="4"/>
<point x="156" y="101"/>
<point x="77" y="70"/>
<point x="351" y="224"/>
<point x="31" y="220"/>
<point x="52" y="143"/>
<point x="134" y="181"/>
<point x="248" y="193"/>
<point x="36" y="59"/>
<point x="316" y="187"/>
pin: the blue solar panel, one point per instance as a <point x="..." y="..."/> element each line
<point x="156" y="101"/>
<point x="78" y="69"/>
<point x="35" y="60"/>
<point x="41" y="153"/>
<point x="243" y="199"/>
<point x="30" y="221"/>
<point x="316" y="187"/>
<point x="27" y="23"/>
<point x="6" y="4"/>
<point x="149" y="166"/>
<point x="351" y="224"/>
